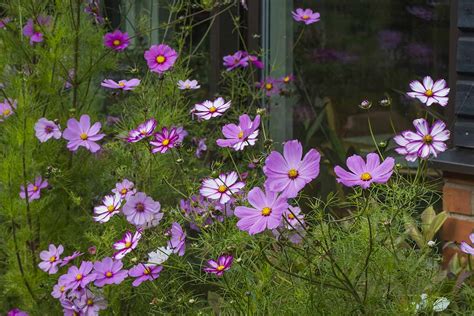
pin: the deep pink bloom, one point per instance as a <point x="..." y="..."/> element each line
<point x="177" y="241"/>
<point x="34" y="28"/>
<point x="466" y="248"/>
<point x="430" y="92"/>
<point x="265" y="213"/>
<point x="90" y="304"/>
<point x="144" y="272"/>
<point x="288" y="173"/>
<point x="78" y="277"/>
<point x="125" y="245"/>
<point x="45" y="129"/>
<point x="287" y="79"/>
<point x="271" y="86"/>
<point x="68" y="259"/>
<point x="306" y="15"/>
<point x="364" y="174"/>
<point x="17" y="312"/>
<point x="255" y="61"/>
<point x="218" y="267"/>
<point x="165" y="140"/>
<point x="109" y="271"/>
<point x="51" y="259"/>
<point x="425" y="141"/>
<point x="188" y="85"/>
<point x="126" y="189"/>
<point x="143" y="130"/>
<point x="6" y="108"/>
<point x="208" y="109"/>
<point x="34" y="189"/>
<point x="122" y="84"/>
<point x="117" y="40"/>
<point x="239" y="136"/>
<point x="160" y="58"/>
<point x="81" y="133"/>
<point x="238" y="59"/>
<point x="92" y="250"/>
<point x="221" y="188"/>
<point x="141" y="209"/>
<point x="110" y="206"/>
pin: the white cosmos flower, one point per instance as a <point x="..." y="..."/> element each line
<point x="429" y="92"/>
<point x="160" y="255"/>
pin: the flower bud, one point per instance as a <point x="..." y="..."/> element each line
<point x="261" y="111"/>
<point x="365" y="105"/>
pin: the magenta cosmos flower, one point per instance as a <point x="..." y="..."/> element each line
<point x="122" y="84"/>
<point x="271" y="86"/>
<point x="188" y="85"/>
<point x="81" y="133"/>
<point x="78" y="277"/>
<point x="51" y="259"/>
<point x="126" y="189"/>
<point x="265" y="213"/>
<point x="125" y="245"/>
<point x="307" y="16"/>
<point x="288" y="173"/>
<point x="209" y="109"/>
<point x="117" y="40"/>
<point x="466" y="248"/>
<point x="160" y="58"/>
<point x="239" y="136"/>
<point x="221" y="188"/>
<point x="141" y="209"/>
<point x="110" y="206"/>
<point x="364" y="174"/>
<point x="425" y="141"/>
<point x="165" y="140"/>
<point x="34" y="189"/>
<point x="218" y="267"/>
<point x="143" y="130"/>
<point x="68" y="259"/>
<point x="144" y="272"/>
<point x="178" y="239"/>
<point x="34" y="28"/>
<point x="45" y="129"/>
<point x="238" y="59"/>
<point x="254" y="60"/>
<point x="17" y="312"/>
<point x="109" y="271"/>
<point x="429" y="92"/>
<point x="6" y="108"/>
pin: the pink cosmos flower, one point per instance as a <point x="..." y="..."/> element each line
<point x="6" y="108"/>
<point x="70" y="79"/>
<point x="78" y="277"/>
<point x="90" y="304"/>
<point x="466" y="248"/>
<point x="34" y="28"/>
<point x="4" y="22"/>
<point x="288" y="173"/>
<point x="182" y="133"/>
<point x="51" y="259"/>
<point x="17" y="312"/>
<point x="117" y="40"/>
<point x="239" y="136"/>
<point x="209" y="109"/>
<point x="271" y="86"/>
<point x="429" y="92"/>
<point x="294" y="218"/>
<point x="93" y="9"/>
<point x="221" y="188"/>
<point x="223" y="263"/>
<point x="144" y="272"/>
<point x="363" y="173"/>
<point x="425" y="141"/>
<point x="306" y="16"/>
<point x="45" y="129"/>
<point x="255" y="61"/>
<point x="69" y="307"/>
<point x="141" y="209"/>
<point x="59" y="291"/>
<point x="265" y="213"/>
<point x="109" y="271"/>
<point x="68" y="259"/>
<point x="160" y="58"/>
<point x="81" y="133"/>
<point x="188" y="85"/>
<point x="110" y="206"/>
<point x="122" y="84"/>
<point x="287" y="79"/>
<point x="125" y="245"/>
<point x="178" y="239"/>
<point x="143" y="130"/>
<point x="238" y="59"/>
<point x="34" y="189"/>
<point x="126" y="189"/>
<point x="164" y="140"/>
<point x="200" y="146"/>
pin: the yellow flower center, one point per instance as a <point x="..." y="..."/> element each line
<point x="146" y="271"/>
<point x="428" y="139"/>
<point x="110" y="208"/>
<point x="291" y="216"/>
<point x="52" y="259"/>
<point x="83" y="136"/>
<point x="35" y="188"/>
<point x="269" y="86"/>
<point x="365" y="176"/>
<point x="79" y="277"/>
<point x="305" y="17"/>
<point x="116" y="42"/>
<point x="90" y="302"/>
<point x="6" y="112"/>
<point x="121" y="84"/>
<point x="143" y="132"/>
<point x="160" y="59"/>
<point x="241" y="135"/>
<point x="123" y="191"/>
<point x="220" y="268"/>
<point x="266" y="211"/>
<point x="187" y="86"/>
<point x="429" y="93"/>
<point x="212" y="109"/>
<point x="165" y="142"/>
<point x="62" y="289"/>
<point x="293" y="174"/>
<point x="286" y="79"/>
<point x="128" y="244"/>
<point x="222" y="188"/>
<point x="109" y="274"/>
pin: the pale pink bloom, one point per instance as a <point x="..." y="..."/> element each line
<point x="125" y="245"/>
<point x="221" y="188"/>
<point x="122" y="84"/>
<point x="126" y="189"/>
<point x="188" y="85"/>
<point x="209" y="109"/>
<point x="81" y="133"/>
<point x="45" y="129"/>
<point x="110" y="206"/>
<point x="429" y="92"/>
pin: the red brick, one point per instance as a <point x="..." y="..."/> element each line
<point x="457" y="199"/>
<point x="456" y="229"/>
